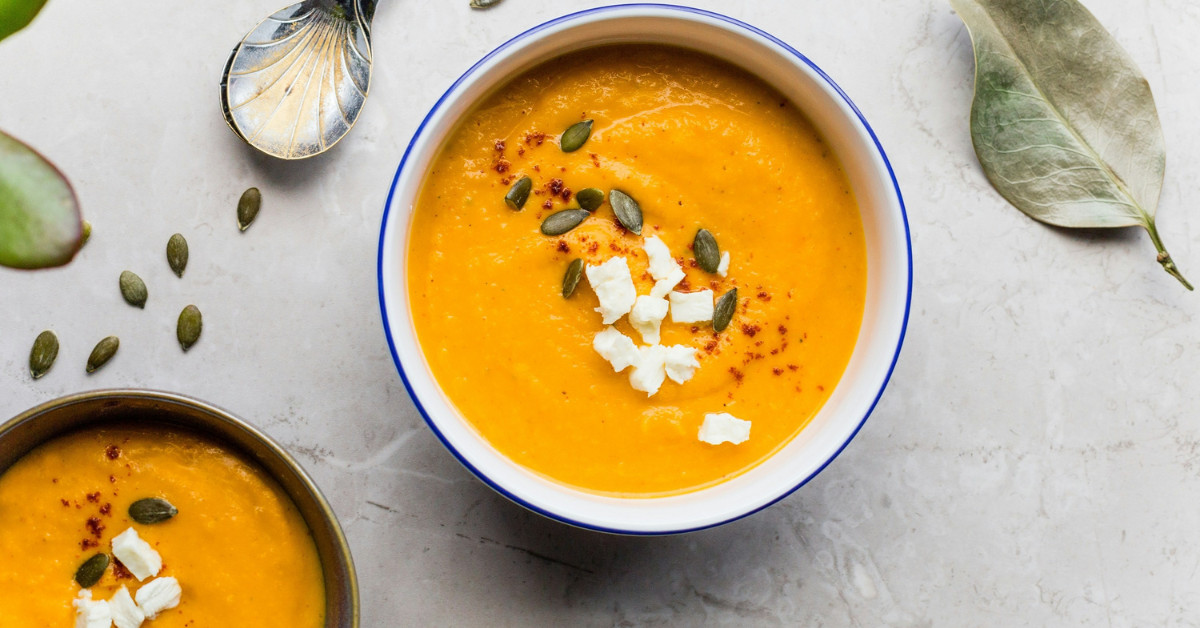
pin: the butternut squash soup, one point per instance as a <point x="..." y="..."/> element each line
<point x="145" y="526"/>
<point x="637" y="186"/>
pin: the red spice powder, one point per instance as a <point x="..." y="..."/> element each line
<point x="777" y="371"/>
<point x="793" y="367"/>
<point x="764" y="296"/>
<point x="120" y="571"/>
<point x="94" y="497"/>
<point x="563" y="247"/>
<point x="750" y="330"/>
<point x="500" y="146"/>
<point x="548" y="204"/>
<point x="113" y="452"/>
<point x="782" y="330"/>
<point x="738" y="375"/>
<point x="501" y="166"/>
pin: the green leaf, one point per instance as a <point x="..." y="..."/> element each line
<point x="17" y="14"/>
<point x="40" y="224"/>
<point x="1063" y="122"/>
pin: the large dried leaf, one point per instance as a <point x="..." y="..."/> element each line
<point x="1063" y="122"/>
<point x="16" y="14"/>
<point x="40" y="224"/>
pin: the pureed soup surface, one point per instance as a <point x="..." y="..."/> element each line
<point x="698" y="143"/>
<point x="238" y="547"/>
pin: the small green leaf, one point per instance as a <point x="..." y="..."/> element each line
<point x="40" y="225"/>
<point x="1063" y="122"/>
<point x="17" y="14"/>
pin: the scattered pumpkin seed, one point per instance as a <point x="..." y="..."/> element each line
<point x="152" y="510"/>
<point x="104" y="351"/>
<point x="723" y="312"/>
<point x="483" y="4"/>
<point x="571" y="279"/>
<point x="41" y="357"/>
<point x="704" y="247"/>
<point x="177" y="254"/>
<point x="133" y="289"/>
<point x="92" y="569"/>
<point x="248" y="207"/>
<point x="188" y="328"/>
<point x="563" y="221"/>
<point x="575" y="136"/>
<point x="628" y="212"/>
<point x="590" y="198"/>
<point x="519" y="193"/>
<point x="87" y="233"/>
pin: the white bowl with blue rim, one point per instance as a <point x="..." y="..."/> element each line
<point x="889" y="268"/>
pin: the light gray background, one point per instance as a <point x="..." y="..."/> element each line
<point x="1035" y="461"/>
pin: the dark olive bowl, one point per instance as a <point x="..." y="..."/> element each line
<point x="55" y="418"/>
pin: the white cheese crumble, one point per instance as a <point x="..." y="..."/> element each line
<point x="692" y="307"/>
<point x="613" y="285"/>
<point x="681" y="363"/>
<point x="724" y="428"/>
<point x="158" y="595"/>
<point x="723" y="266"/>
<point x="138" y="557"/>
<point x="650" y="370"/>
<point x="647" y="315"/>
<point x="615" y="347"/>
<point x="663" y="268"/>
<point x="125" y="612"/>
<point x="91" y="614"/>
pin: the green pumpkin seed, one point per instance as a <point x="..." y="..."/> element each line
<point x="628" y="212"/>
<point x="519" y="193"/>
<point x="177" y="254"/>
<point x="248" y="207"/>
<point x="104" y="351"/>
<point x="152" y="510"/>
<point x="133" y="289"/>
<point x="92" y="569"/>
<point x="87" y="233"/>
<point x="41" y="357"/>
<point x="188" y="328"/>
<point x="723" y="312"/>
<point x="575" y="136"/>
<point x="483" y="4"/>
<point x="704" y="247"/>
<point x="563" y="221"/>
<point x="571" y="279"/>
<point x="590" y="198"/>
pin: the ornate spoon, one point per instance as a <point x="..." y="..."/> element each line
<point x="296" y="83"/>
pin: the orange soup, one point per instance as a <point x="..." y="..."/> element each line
<point x="238" y="548"/>
<point x="697" y="143"/>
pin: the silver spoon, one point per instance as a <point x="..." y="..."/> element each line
<point x="295" y="84"/>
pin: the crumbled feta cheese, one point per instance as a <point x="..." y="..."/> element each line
<point x="663" y="268"/>
<point x="723" y="266"/>
<point x="647" y="315"/>
<point x="692" y="307"/>
<point x="681" y="363"/>
<point x="724" y="428"/>
<point x="125" y="612"/>
<point x="138" y="557"/>
<point x="650" y="369"/>
<point x="615" y="347"/>
<point x="613" y="285"/>
<point x="91" y="614"/>
<point x="158" y="595"/>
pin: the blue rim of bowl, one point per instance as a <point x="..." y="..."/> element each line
<point x="533" y="31"/>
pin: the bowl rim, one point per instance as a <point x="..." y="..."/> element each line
<point x="339" y="540"/>
<point x="667" y="8"/>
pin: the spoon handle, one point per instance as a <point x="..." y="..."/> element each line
<point x="363" y="8"/>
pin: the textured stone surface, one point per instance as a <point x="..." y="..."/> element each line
<point x="1036" y="460"/>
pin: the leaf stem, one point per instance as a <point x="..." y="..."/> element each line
<point x="1164" y="257"/>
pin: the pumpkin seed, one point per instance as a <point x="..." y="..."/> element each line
<point x="483" y="4"/>
<point x="188" y="328"/>
<point x="87" y="233"/>
<point x="563" y="221"/>
<point x="575" y="136"/>
<point x="590" y="198"/>
<point x="571" y="279"/>
<point x="519" y="193"/>
<point x="704" y="247"/>
<point x="92" y="569"/>
<point x="627" y="210"/>
<point x="133" y="289"/>
<point x="248" y="207"/>
<point x="152" y="510"/>
<point x="177" y="254"/>
<point x="723" y="312"/>
<point x="104" y="351"/>
<point x="41" y="357"/>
